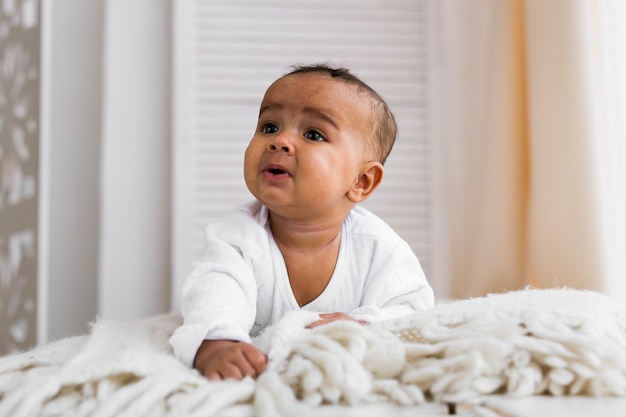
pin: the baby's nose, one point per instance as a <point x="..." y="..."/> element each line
<point x="273" y="148"/>
<point x="280" y="143"/>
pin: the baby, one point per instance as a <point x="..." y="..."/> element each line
<point x="320" y="144"/>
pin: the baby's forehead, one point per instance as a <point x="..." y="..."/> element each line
<point x="316" y="80"/>
<point x="316" y="85"/>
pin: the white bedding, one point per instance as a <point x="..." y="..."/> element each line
<point x="559" y="342"/>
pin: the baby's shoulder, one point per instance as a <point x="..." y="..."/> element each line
<point x="246" y="221"/>
<point x="363" y="223"/>
<point x="361" y="219"/>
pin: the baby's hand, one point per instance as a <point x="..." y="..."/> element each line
<point x="224" y="359"/>
<point x="326" y="318"/>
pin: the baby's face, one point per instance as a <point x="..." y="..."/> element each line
<point x="309" y="146"/>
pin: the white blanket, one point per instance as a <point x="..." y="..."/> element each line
<point x="559" y="342"/>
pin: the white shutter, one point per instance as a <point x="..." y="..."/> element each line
<point x="227" y="52"/>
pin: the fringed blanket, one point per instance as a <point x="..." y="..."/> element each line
<point x="558" y="342"/>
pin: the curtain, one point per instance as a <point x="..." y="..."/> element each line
<point x="532" y="147"/>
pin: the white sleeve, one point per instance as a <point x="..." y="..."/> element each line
<point x="397" y="286"/>
<point x="218" y="299"/>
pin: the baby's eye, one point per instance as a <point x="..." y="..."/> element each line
<point x="269" y="128"/>
<point x="314" y="135"/>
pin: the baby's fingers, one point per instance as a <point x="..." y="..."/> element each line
<point x="326" y="318"/>
<point x="242" y="361"/>
<point x="255" y="359"/>
<point x="226" y="370"/>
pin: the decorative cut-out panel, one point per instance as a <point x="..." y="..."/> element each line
<point x="19" y="171"/>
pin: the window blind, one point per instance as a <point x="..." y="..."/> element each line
<point x="227" y="52"/>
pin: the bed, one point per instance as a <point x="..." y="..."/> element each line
<point x="523" y="353"/>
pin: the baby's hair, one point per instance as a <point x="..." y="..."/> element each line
<point x="384" y="124"/>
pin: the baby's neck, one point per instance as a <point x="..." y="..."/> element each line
<point x="310" y="252"/>
<point x="305" y="237"/>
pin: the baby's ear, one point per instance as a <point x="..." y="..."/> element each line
<point x="369" y="179"/>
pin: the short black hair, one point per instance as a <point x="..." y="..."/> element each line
<point x="384" y="124"/>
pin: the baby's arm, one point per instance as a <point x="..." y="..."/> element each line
<point x="224" y="359"/>
<point x="218" y="303"/>
<point x="396" y="287"/>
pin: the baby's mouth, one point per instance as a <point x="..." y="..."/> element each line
<point x="276" y="171"/>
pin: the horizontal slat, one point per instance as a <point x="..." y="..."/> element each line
<point x="283" y="59"/>
<point x="380" y="75"/>
<point x="267" y="9"/>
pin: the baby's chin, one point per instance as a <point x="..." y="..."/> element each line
<point x="272" y="206"/>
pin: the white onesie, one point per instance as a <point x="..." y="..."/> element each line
<point x="240" y="285"/>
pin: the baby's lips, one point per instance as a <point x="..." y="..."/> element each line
<point x="276" y="169"/>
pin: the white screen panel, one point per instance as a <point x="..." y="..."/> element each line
<point x="227" y="52"/>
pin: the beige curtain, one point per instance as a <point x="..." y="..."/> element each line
<point x="523" y="144"/>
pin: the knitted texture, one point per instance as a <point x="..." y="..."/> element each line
<point x="558" y="342"/>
